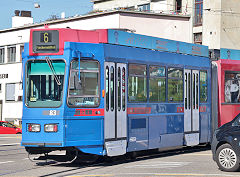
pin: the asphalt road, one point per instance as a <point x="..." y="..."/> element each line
<point x="195" y="161"/>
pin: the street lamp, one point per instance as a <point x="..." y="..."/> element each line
<point x="36" y="5"/>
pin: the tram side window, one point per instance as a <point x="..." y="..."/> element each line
<point x="157" y="84"/>
<point x="137" y="83"/>
<point x="175" y="85"/>
<point x="84" y="92"/>
<point x="232" y="84"/>
<point x="203" y="86"/>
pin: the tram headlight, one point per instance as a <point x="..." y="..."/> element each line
<point x="50" y="127"/>
<point x="34" y="127"/>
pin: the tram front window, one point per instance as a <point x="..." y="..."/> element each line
<point x="84" y="89"/>
<point x="44" y="83"/>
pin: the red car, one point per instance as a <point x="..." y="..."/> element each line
<point x="8" y="128"/>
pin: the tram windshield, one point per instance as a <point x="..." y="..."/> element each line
<point x="44" y="83"/>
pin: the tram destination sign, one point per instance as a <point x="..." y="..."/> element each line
<point x="46" y="41"/>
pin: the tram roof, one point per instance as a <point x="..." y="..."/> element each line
<point x="231" y="54"/>
<point x="119" y="37"/>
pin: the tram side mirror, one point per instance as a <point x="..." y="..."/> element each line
<point x="75" y="83"/>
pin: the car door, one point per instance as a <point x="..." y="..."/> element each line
<point x="1" y="128"/>
<point x="8" y="128"/>
<point x="234" y="133"/>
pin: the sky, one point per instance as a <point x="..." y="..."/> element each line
<point x="47" y="9"/>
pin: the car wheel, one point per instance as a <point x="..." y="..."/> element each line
<point x="227" y="159"/>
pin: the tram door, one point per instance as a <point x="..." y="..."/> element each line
<point x="191" y="107"/>
<point x="115" y="119"/>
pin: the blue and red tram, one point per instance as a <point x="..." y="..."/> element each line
<point x="109" y="92"/>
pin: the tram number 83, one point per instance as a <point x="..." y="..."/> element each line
<point x="52" y="113"/>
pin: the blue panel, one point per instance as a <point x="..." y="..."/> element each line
<point x="230" y="54"/>
<point x="138" y="123"/>
<point x="157" y="127"/>
<point x="175" y="124"/>
<point x="84" y="132"/>
<point x="205" y="124"/>
<point x="137" y="40"/>
<point x="137" y="137"/>
<point x="43" y="137"/>
<point x="92" y="149"/>
<point x="204" y="127"/>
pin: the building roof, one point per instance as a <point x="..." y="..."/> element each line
<point x="96" y="14"/>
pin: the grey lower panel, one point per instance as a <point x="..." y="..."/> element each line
<point x="166" y="140"/>
<point x="42" y="144"/>
<point x="163" y="141"/>
<point x="115" y="148"/>
<point x="170" y="140"/>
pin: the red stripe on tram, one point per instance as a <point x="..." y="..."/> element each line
<point x="139" y="110"/>
<point x="89" y="112"/>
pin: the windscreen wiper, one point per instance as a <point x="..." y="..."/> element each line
<point x="49" y="62"/>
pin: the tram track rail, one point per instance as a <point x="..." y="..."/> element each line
<point x="83" y="168"/>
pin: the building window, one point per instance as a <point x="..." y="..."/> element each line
<point x="157" y="84"/>
<point x="137" y="83"/>
<point x="175" y="85"/>
<point x="0" y="87"/>
<point x="197" y="38"/>
<point x="10" y="92"/>
<point x="198" y="12"/>
<point x="2" y="55"/>
<point x="178" y="6"/>
<point x="21" y="51"/>
<point x="144" y="7"/>
<point x="11" y="54"/>
<point x="232" y="91"/>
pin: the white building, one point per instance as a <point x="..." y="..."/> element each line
<point x="213" y="23"/>
<point x="12" y="44"/>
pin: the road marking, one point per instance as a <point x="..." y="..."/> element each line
<point x="163" y="174"/>
<point x="12" y="144"/>
<point x="160" y="165"/>
<point x="7" y="137"/>
<point x="6" y="162"/>
<point x="92" y="175"/>
<point x="193" y="174"/>
<point x="198" y="154"/>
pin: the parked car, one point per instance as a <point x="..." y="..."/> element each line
<point x="8" y="128"/>
<point x="226" y="145"/>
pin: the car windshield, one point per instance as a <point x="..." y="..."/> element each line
<point x="6" y="124"/>
<point x="44" y="83"/>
